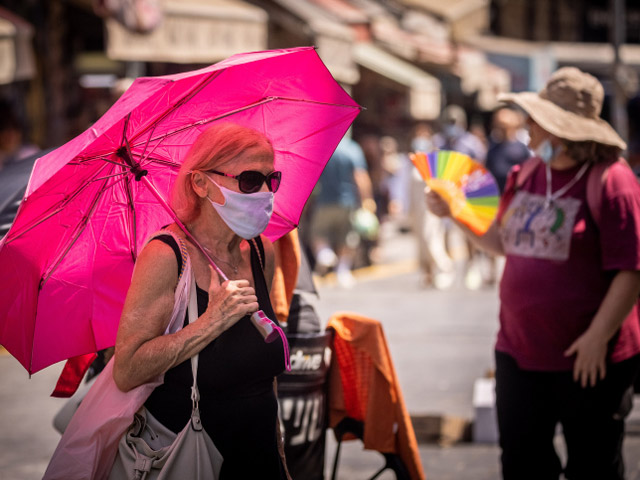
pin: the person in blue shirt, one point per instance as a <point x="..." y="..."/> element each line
<point x="505" y="150"/>
<point x="344" y="186"/>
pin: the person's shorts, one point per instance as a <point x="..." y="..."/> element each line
<point x="332" y="223"/>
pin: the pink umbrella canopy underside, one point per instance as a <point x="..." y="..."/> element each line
<point x="70" y="253"/>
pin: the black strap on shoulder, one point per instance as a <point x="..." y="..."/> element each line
<point x="258" y="247"/>
<point x="169" y="240"/>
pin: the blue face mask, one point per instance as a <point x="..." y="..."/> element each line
<point x="247" y="214"/>
<point x="452" y="131"/>
<point x="545" y="151"/>
<point x="420" y="144"/>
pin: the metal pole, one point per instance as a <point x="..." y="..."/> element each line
<point x="618" y="35"/>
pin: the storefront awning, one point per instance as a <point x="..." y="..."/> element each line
<point x="424" y="89"/>
<point x="461" y="16"/>
<point x="451" y="9"/>
<point x="192" y="31"/>
<point x="480" y="77"/>
<point x="17" y="61"/>
<point x="332" y="38"/>
<point x="531" y="63"/>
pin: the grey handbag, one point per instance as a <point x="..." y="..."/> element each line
<point x="150" y="451"/>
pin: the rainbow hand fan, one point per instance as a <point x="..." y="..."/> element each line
<point x="468" y="187"/>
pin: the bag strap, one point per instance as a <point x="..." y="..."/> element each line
<point x="259" y="249"/>
<point x="596" y="180"/>
<point x="525" y="171"/>
<point x="595" y="184"/>
<point x="263" y="323"/>
<point x="195" y="393"/>
<point x="193" y="316"/>
<point x="179" y="248"/>
<point x="516" y="178"/>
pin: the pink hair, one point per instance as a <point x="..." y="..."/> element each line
<point x="215" y="146"/>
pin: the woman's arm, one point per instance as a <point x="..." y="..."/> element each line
<point x="142" y="351"/>
<point x="490" y="241"/>
<point x="590" y="348"/>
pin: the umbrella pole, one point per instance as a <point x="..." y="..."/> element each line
<point x="269" y="330"/>
<point x="175" y="218"/>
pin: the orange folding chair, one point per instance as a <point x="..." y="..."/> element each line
<point x="365" y="400"/>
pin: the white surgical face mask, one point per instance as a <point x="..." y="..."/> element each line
<point x="247" y="214"/>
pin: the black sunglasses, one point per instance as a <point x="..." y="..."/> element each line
<point x="250" y="181"/>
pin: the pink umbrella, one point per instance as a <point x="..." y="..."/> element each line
<point x="90" y="204"/>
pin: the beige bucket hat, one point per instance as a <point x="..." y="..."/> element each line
<point x="569" y="107"/>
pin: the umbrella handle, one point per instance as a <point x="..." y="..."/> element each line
<point x="270" y="331"/>
<point x="264" y="325"/>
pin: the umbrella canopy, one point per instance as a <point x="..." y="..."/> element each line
<point x="68" y="258"/>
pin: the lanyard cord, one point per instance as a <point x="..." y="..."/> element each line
<point x="550" y="198"/>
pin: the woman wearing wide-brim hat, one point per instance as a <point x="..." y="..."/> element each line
<point x="568" y="347"/>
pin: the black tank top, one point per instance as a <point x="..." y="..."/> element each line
<point x="235" y="377"/>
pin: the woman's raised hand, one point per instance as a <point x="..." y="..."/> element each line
<point x="436" y="204"/>
<point x="229" y="301"/>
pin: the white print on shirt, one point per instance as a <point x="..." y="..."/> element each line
<point x="531" y="230"/>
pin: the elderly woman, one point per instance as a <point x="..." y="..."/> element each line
<point x="224" y="196"/>
<point x="569" y="341"/>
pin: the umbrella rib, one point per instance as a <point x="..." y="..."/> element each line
<point x="286" y="220"/>
<point x="246" y="107"/>
<point x="58" y="208"/>
<point x="106" y="177"/>
<point x="124" y="128"/>
<point x="199" y="122"/>
<point x="132" y="238"/>
<point x="101" y="156"/>
<point x="162" y="161"/>
<point x="214" y="119"/>
<point x="317" y="102"/>
<point x="78" y="231"/>
<point x="144" y="156"/>
<point x="146" y="145"/>
<point x="205" y="81"/>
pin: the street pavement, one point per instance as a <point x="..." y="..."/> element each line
<point x="440" y="342"/>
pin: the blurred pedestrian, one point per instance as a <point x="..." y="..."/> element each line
<point x="13" y="146"/>
<point x="429" y="230"/>
<point x="372" y="150"/>
<point x="633" y="110"/>
<point x="568" y="347"/>
<point x="392" y="180"/>
<point x="454" y="136"/>
<point x="505" y="150"/>
<point x="344" y="186"/>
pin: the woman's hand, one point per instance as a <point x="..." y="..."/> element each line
<point x="436" y="204"/>
<point x="590" y="348"/>
<point x="590" y="364"/>
<point x="228" y="302"/>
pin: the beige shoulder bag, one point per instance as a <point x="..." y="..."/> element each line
<point x="150" y="451"/>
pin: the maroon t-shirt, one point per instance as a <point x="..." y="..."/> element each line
<point x="559" y="265"/>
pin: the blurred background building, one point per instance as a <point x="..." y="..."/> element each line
<point x="62" y="61"/>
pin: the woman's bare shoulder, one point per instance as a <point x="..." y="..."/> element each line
<point x="157" y="264"/>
